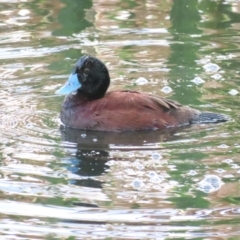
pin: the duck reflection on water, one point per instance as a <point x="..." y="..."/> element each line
<point x="93" y="149"/>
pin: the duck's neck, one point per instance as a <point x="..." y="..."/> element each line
<point x="89" y="95"/>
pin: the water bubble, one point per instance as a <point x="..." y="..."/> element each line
<point x="216" y="76"/>
<point x="211" y="67"/>
<point x="141" y="81"/>
<point x="192" y="172"/>
<point x="111" y="162"/>
<point x="220" y="170"/>
<point x="152" y="174"/>
<point x="156" y="156"/>
<point x="154" y="177"/>
<point x="197" y="80"/>
<point x="233" y="92"/>
<point x="157" y="179"/>
<point x="166" y="89"/>
<point x="228" y="161"/>
<point x="223" y="146"/>
<point x="137" y="183"/>
<point x="210" y="183"/>
<point x="207" y="188"/>
<point x="29" y="125"/>
<point x="214" y="180"/>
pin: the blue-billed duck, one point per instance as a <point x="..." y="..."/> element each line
<point x="90" y="107"/>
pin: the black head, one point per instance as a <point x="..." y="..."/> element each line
<point x="89" y="77"/>
<point x="93" y="76"/>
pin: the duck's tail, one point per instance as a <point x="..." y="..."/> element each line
<point x="208" y="117"/>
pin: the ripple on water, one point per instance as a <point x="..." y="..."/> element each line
<point x="111" y="221"/>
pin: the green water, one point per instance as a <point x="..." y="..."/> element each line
<point x="68" y="184"/>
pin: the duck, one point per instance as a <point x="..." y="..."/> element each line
<point x="89" y="106"/>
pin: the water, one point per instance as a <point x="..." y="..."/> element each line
<point x="65" y="184"/>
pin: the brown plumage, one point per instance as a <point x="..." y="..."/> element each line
<point x="91" y="108"/>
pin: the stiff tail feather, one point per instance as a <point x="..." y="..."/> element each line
<point x="208" y="117"/>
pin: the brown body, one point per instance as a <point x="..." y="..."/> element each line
<point x="90" y="107"/>
<point x="124" y="110"/>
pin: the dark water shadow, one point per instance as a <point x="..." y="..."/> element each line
<point x="93" y="149"/>
<point x="97" y="140"/>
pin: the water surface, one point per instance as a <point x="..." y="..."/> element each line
<point x="65" y="184"/>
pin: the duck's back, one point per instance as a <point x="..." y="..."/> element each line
<point x="124" y="110"/>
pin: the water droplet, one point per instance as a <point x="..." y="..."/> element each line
<point x="95" y="140"/>
<point x="166" y="89"/>
<point x="83" y="135"/>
